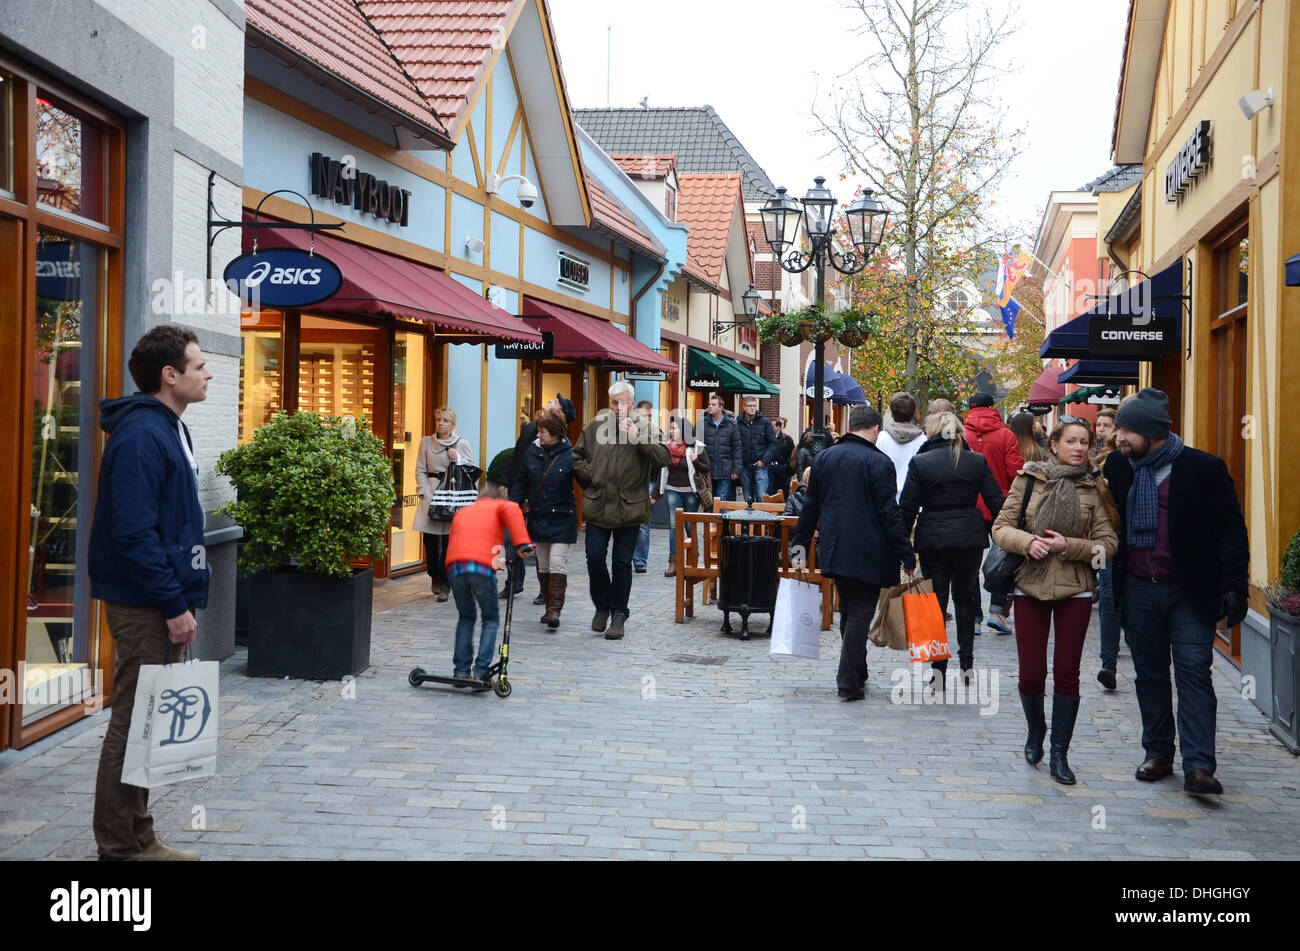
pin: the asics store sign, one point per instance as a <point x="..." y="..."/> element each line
<point x="282" y="278"/>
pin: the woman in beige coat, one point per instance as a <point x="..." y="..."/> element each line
<point x="438" y="453"/>
<point x="1069" y="534"/>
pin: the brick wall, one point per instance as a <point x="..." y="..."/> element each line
<point x="770" y="370"/>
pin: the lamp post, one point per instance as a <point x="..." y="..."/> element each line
<point x="781" y="216"/>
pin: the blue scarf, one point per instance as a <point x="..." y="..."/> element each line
<point x="1144" y="496"/>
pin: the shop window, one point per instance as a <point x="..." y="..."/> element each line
<point x="61" y="646"/>
<point x="525" y="393"/>
<point x="408" y="430"/>
<point x="6" y="133"/>
<point x="71" y="161"/>
<point x="259" y="371"/>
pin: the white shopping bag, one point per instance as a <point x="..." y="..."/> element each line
<point x="173" y="735"/>
<point x="796" y="620"/>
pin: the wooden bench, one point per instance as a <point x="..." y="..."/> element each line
<point x="697" y="560"/>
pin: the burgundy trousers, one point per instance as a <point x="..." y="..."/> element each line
<point x="1034" y="620"/>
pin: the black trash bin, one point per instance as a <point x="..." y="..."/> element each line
<point x="747" y="567"/>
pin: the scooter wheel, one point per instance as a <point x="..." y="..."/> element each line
<point x="413" y="678"/>
<point x="502" y="687"/>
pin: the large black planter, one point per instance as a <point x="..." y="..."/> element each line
<point x="310" y="627"/>
<point x="1284" y="632"/>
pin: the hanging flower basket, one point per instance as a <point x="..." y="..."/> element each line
<point x="858" y="328"/>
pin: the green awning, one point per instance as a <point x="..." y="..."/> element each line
<point x="708" y="371"/>
<point x="1083" y="394"/>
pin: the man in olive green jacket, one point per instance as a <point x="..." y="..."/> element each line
<point x="613" y="462"/>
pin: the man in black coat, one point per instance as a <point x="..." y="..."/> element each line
<point x="1181" y="566"/>
<point x="757" y="449"/>
<point x="862" y="540"/>
<point x="721" y="438"/>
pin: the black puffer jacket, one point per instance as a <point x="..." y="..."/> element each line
<point x="945" y="496"/>
<point x="757" y="439"/>
<point x="552" y="508"/>
<point x="723" y="445"/>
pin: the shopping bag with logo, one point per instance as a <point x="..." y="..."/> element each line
<point x="889" y="626"/>
<point x="173" y="733"/>
<point x="927" y="639"/>
<point x="796" y="620"/>
<point x="458" y="489"/>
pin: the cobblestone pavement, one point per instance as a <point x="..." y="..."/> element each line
<point x="621" y="750"/>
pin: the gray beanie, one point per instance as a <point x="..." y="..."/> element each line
<point x="1147" y="414"/>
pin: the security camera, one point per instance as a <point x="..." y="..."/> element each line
<point x="1255" y="102"/>
<point x="527" y="194"/>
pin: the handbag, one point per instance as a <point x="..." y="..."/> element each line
<point x="1001" y="567"/>
<point x="889" y="626"/>
<point x="173" y="731"/>
<point x="796" y="620"/>
<point x="927" y="635"/>
<point x="458" y="489"/>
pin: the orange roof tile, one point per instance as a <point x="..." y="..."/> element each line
<point x="335" y="36"/>
<point x="646" y="166"/>
<point x="607" y="216"/>
<point x="444" y="44"/>
<point x="709" y="204"/>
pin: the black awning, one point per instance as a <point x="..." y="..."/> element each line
<point x="1160" y="297"/>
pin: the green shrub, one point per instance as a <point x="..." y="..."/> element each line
<point x="496" y="470"/>
<point x="315" y="492"/>
<point x="1291" y="564"/>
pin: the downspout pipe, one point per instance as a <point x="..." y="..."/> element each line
<point x="636" y="298"/>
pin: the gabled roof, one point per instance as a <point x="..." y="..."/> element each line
<point x="1116" y="179"/>
<point x="709" y="205"/>
<point x="646" y="165"/>
<point x="1139" y="69"/>
<point x="696" y="135"/>
<point x="609" y="217"/>
<point x="445" y="45"/>
<point x="332" y="41"/>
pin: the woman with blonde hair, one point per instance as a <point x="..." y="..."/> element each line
<point x="438" y="453"/>
<point x="944" y="479"/>
<point x="1067" y="527"/>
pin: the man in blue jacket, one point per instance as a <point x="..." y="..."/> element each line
<point x="862" y="540"/>
<point x="721" y="438"/>
<point x="1182" y="565"/>
<point x="757" y="449"/>
<point x="147" y="562"/>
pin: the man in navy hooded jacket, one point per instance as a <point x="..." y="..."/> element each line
<point x="147" y="562"/>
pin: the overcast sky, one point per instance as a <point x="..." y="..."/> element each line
<point x="759" y="63"/>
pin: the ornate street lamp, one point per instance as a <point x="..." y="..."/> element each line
<point x="866" y="218"/>
<point x="751" y="301"/>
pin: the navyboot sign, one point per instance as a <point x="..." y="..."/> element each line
<point x="343" y="183"/>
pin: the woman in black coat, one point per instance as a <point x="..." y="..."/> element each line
<point x="544" y="488"/>
<point x="944" y="479"/>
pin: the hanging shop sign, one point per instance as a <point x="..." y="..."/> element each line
<point x="1157" y="337"/>
<point x="650" y="376"/>
<point x="574" y="272"/>
<point x="1188" y="163"/>
<point x="528" y="349"/>
<point x="282" y="277"/>
<point x="811" y="391"/>
<point x="345" y="184"/>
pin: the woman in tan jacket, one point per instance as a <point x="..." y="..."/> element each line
<point x="438" y="453"/>
<point x="1069" y="534"/>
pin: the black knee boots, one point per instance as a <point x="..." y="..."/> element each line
<point x="1064" y="712"/>
<point x="1037" y="723"/>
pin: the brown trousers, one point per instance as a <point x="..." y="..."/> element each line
<point x="123" y="826"/>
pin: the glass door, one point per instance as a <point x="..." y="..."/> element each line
<point x="408" y="429"/>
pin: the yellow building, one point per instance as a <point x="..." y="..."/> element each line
<point x="1209" y="104"/>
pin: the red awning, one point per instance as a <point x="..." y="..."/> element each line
<point x="579" y="337"/>
<point x="384" y="285"/>
<point x="1046" y="389"/>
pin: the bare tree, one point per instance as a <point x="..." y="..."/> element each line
<point x="918" y="119"/>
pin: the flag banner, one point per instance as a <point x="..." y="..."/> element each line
<point x="1014" y="269"/>
<point x="1009" y="314"/>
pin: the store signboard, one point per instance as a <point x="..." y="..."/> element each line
<point x="527" y="349"/>
<point x="282" y="277"/>
<point x="574" y="272"/>
<point x="343" y="183"/>
<point x="1188" y="163"/>
<point x="1126" y="337"/>
<point x="651" y="376"/>
<point x="704" y="383"/>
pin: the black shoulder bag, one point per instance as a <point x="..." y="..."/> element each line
<point x="1002" y="567"/>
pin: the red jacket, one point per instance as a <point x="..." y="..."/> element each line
<point x="476" y="531"/>
<point x="986" y="434"/>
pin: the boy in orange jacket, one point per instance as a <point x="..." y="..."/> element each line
<point x="474" y="552"/>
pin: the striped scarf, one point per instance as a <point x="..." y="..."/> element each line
<point x="1144" y="496"/>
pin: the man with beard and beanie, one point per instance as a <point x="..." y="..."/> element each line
<point x="613" y="462"/>
<point x="558" y="406"/>
<point x="1181" y="567"/>
<point x="987" y="435"/>
<point x="862" y="539"/>
<point x="901" y="438"/>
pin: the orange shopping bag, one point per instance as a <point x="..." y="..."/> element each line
<point x="927" y="639"/>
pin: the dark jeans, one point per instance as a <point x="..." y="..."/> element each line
<point x="956" y="570"/>
<point x="857" y="607"/>
<point x="1108" y="612"/>
<point x="1161" y="623"/>
<point x="435" y="555"/>
<point x="475" y="592"/>
<point x="123" y="826"/>
<point x="754" y="481"/>
<point x="610" y="593"/>
<point x="722" y="489"/>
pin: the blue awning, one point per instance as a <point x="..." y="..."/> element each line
<point x="1163" y="292"/>
<point x="845" y="390"/>
<point x="1100" y="371"/>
